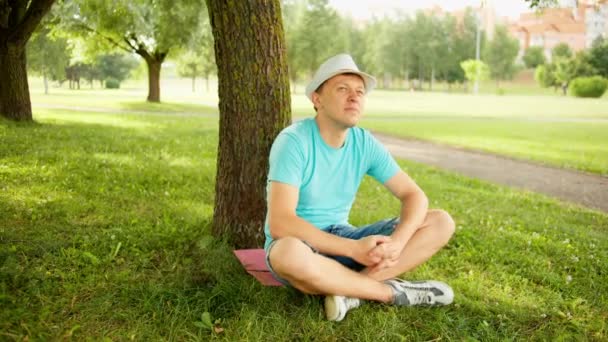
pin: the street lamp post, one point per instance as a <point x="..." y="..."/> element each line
<point x="477" y="47"/>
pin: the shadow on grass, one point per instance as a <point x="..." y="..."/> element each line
<point x="105" y="233"/>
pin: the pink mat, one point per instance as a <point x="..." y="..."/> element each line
<point x="254" y="261"/>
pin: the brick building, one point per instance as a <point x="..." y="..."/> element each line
<point x="577" y="24"/>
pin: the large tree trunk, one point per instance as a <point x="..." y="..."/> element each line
<point x="14" y="91"/>
<point x="254" y="106"/>
<point x="153" y="79"/>
<point x="18" y="19"/>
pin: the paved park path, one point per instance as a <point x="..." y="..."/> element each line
<point x="582" y="188"/>
<point x="577" y="187"/>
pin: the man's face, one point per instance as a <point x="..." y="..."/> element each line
<point x="341" y="99"/>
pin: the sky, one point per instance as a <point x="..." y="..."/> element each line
<point x="365" y="9"/>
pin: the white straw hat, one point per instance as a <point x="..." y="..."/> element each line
<point x="339" y="64"/>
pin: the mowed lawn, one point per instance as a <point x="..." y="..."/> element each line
<point x="105" y="233"/>
<point x="549" y="129"/>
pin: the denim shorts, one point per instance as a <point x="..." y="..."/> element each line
<point x="384" y="227"/>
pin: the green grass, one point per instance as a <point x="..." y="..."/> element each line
<point x="576" y="145"/>
<point x="104" y="227"/>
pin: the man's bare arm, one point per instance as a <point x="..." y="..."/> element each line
<point x="414" y="208"/>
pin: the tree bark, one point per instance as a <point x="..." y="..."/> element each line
<point x="14" y="90"/>
<point x="154" y="66"/>
<point x="254" y="103"/>
<point x="18" y="19"/>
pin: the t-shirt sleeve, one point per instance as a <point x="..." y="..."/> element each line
<point x="286" y="160"/>
<point x="382" y="165"/>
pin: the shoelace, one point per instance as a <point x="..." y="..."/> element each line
<point x="422" y="297"/>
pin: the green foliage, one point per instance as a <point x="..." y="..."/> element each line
<point x="475" y="70"/>
<point x="542" y="3"/>
<point x="198" y="58"/>
<point x="189" y="65"/>
<point x="421" y="47"/>
<point x="293" y="13"/>
<point x="561" y="50"/>
<point x="48" y="54"/>
<point x="150" y="25"/>
<point x="588" y="86"/>
<point x="500" y="54"/>
<point x="115" y="66"/>
<point x="149" y="28"/>
<point x="598" y="56"/>
<point x="545" y="75"/>
<point x="534" y="56"/>
<point x="317" y="36"/>
<point x="565" y="72"/>
<point x="462" y="40"/>
<point x="112" y="83"/>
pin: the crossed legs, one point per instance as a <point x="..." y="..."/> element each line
<point x="307" y="271"/>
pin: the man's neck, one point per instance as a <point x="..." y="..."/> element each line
<point x="333" y="135"/>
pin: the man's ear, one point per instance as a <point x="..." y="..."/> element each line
<point x="316" y="100"/>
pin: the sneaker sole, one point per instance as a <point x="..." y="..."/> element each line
<point x="332" y="312"/>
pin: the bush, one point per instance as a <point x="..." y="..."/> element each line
<point x="588" y="86"/>
<point x="112" y="83"/>
<point x="544" y="75"/>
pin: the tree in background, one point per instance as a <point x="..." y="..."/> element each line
<point x="542" y="3"/>
<point x="293" y="12"/>
<point x="48" y="55"/>
<point x="115" y="66"/>
<point x="18" y="21"/>
<point x="198" y="59"/>
<point x="462" y="45"/>
<point x="255" y="105"/>
<point x="534" y="56"/>
<point x="189" y="64"/>
<point x="380" y="58"/>
<point x="318" y="36"/>
<point x="564" y="72"/>
<point x="598" y="56"/>
<point x="500" y="54"/>
<point x="149" y="28"/>
<point x="475" y="70"/>
<point x="561" y="50"/>
<point x="545" y="76"/>
<point x="426" y="36"/>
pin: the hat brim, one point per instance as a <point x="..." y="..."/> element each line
<point x="369" y="80"/>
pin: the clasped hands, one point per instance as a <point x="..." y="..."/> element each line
<point x="377" y="252"/>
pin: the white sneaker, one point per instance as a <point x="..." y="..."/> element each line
<point x="336" y="307"/>
<point x="428" y="292"/>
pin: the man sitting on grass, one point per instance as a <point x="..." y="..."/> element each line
<point x="316" y="167"/>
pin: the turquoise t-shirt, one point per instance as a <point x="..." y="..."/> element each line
<point x="328" y="178"/>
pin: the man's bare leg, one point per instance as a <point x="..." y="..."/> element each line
<point x="312" y="273"/>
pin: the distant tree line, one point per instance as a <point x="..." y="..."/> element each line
<point x="404" y="50"/>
